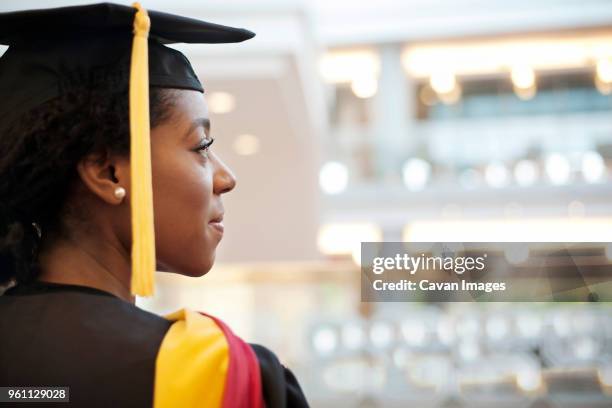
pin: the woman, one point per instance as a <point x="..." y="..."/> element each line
<point x="79" y="228"/>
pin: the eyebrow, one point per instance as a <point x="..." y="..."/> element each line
<point x="204" y="122"/>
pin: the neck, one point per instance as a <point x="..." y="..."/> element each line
<point x="81" y="262"/>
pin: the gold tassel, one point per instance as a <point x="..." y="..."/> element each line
<point x="143" y="231"/>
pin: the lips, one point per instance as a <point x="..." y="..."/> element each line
<point x="217" y="223"/>
<point x="218" y="218"/>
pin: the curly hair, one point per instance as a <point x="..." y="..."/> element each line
<point x="39" y="154"/>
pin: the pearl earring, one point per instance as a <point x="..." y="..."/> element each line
<point x="120" y="192"/>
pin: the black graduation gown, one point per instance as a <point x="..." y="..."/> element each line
<point x="100" y="346"/>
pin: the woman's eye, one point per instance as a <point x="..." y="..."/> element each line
<point x="204" y="145"/>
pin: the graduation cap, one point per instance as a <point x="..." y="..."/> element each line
<point x="45" y="44"/>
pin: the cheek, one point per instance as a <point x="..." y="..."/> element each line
<point x="183" y="192"/>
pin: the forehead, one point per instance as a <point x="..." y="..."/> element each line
<point x="187" y="110"/>
<point x="189" y="105"/>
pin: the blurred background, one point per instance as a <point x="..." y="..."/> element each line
<point x="407" y="120"/>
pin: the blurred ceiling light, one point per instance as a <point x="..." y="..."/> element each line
<point x="529" y="380"/>
<point x="585" y="347"/>
<point x="381" y="334"/>
<point x="333" y="177"/>
<point x="529" y="325"/>
<point x="443" y="82"/>
<point x="468" y="327"/>
<point x="593" y="167"/>
<point x="246" y="145"/>
<point x="561" y="323"/>
<point x="347" y="66"/>
<point x="469" y="350"/>
<point x="365" y="87"/>
<point x="445" y="329"/>
<point x="221" y="102"/>
<point x="452" y="97"/>
<point x="604" y="88"/>
<point x="525" y="93"/>
<point x="586" y="229"/>
<point x="478" y="57"/>
<point x="496" y="175"/>
<point x="526" y="173"/>
<point x="414" y="332"/>
<point x="604" y="70"/>
<point x="325" y="340"/>
<point x="523" y="76"/>
<point x="497" y="328"/>
<point x="415" y="173"/>
<point x="558" y="168"/>
<point x="341" y="239"/>
<point x="523" y="81"/>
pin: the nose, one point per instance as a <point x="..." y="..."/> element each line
<point x="224" y="180"/>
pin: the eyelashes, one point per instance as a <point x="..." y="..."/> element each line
<point x="204" y="145"/>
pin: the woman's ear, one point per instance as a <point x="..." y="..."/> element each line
<point x="103" y="173"/>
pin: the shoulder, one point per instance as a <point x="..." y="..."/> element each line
<point x="114" y="341"/>
<point x="202" y="346"/>
<point x="83" y="314"/>
<point x="280" y="387"/>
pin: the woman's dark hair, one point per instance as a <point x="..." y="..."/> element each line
<point x="39" y="155"/>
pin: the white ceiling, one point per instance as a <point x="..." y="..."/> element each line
<point x="341" y="22"/>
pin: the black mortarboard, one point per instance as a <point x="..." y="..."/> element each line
<point x="47" y="46"/>
<point x="44" y="44"/>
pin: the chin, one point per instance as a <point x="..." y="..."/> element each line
<point x="195" y="274"/>
<point x="192" y="270"/>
